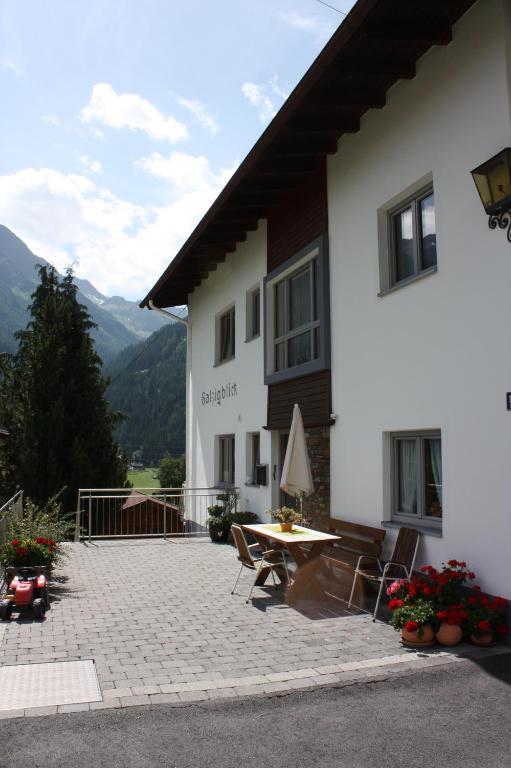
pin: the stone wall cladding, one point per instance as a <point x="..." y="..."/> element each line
<point x="317" y="506"/>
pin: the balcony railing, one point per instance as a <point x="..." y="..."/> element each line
<point x="144" y="512"/>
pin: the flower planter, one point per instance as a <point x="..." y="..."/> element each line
<point x="219" y="534"/>
<point x="286" y="527"/>
<point x="413" y="639"/>
<point x="483" y="640"/>
<point x="449" y="634"/>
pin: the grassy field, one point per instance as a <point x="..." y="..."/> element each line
<point x="144" y="478"/>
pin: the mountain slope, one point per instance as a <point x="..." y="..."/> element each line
<point x="148" y="385"/>
<point x="120" y="322"/>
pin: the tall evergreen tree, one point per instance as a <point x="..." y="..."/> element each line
<point x="53" y="400"/>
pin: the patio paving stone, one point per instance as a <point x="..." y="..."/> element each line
<point x="159" y="620"/>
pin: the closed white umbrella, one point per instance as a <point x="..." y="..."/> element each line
<point x="296" y="475"/>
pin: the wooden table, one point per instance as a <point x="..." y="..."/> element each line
<point x="270" y="536"/>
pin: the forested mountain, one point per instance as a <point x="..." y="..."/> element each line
<point x="119" y="322"/>
<point x="148" y="385"/>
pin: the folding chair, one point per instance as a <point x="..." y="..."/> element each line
<point x="400" y="564"/>
<point x="269" y="558"/>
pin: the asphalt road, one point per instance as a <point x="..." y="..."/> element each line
<point x="457" y="716"/>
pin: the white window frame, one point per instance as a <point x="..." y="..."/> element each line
<point x="420" y="519"/>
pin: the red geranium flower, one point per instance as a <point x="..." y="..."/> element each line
<point x="442" y="615"/>
<point x="484" y="626"/>
<point x="395" y="603"/>
<point x="41" y="540"/>
<point x="22" y="551"/>
<point x="15" y="543"/>
<point x="411" y="626"/>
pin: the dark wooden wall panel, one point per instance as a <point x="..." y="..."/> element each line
<point x="313" y="394"/>
<point x="300" y="219"/>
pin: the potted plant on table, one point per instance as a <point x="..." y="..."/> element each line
<point x="287" y="518"/>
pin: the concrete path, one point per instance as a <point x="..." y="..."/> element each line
<point x="159" y="620"/>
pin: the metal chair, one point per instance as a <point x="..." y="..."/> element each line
<point x="269" y="558"/>
<point x="400" y="564"/>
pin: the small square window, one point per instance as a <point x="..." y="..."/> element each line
<point x="225" y="336"/>
<point x="412" y="238"/>
<point x="226" y="460"/>
<point x="253" y="313"/>
<point x="417" y="477"/>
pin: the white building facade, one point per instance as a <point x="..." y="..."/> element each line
<point x="389" y="321"/>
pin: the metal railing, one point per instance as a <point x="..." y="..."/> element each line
<point x="103" y="513"/>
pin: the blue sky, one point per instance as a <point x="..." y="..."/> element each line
<point x="122" y="120"/>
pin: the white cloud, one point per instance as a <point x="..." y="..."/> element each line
<point x="122" y="248"/>
<point x="88" y="164"/>
<point x="6" y="63"/>
<point x="259" y="97"/>
<point x="52" y="120"/>
<point x="201" y="114"/>
<point x="129" y="110"/>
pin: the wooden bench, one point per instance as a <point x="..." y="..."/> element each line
<point x="356" y="540"/>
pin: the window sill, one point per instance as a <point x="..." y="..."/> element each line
<point x="408" y="281"/>
<point x="253" y="485"/>
<point x="252" y="338"/>
<point x="424" y="529"/>
<point x="223" y="362"/>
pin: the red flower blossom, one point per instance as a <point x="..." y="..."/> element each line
<point x="452" y="563"/>
<point x="41" y="540"/>
<point x="502" y="629"/>
<point x="411" y="626"/>
<point x="395" y="603"/>
<point x="15" y="543"/>
<point x="52" y="543"/>
<point x="472" y="600"/>
<point x="484" y="626"/>
<point x="22" y="551"/>
<point x="442" y="615"/>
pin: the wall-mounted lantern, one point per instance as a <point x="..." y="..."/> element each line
<point x="493" y="182"/>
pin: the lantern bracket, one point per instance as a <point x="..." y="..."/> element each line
<point x="501" y="220"/>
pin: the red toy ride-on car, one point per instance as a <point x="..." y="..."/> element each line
<point x="28" y="588"/>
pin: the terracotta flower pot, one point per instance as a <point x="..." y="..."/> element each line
<point x="482" y="640"/>
<point x="413" y="638"/>
<point x="286" y="527"/>
<point x="449" y="634"/>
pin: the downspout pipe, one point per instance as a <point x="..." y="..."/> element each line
<point x="187" y="323"/>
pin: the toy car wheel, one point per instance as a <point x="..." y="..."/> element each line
<point x="5" y="609"/>
<point x="39" y="608"/>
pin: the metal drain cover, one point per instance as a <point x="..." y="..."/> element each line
<point x="44" y="685"/>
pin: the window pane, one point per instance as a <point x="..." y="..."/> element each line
<point x="280" y="351"/>
<point x="300" y="299"/>
<point x="280" y="309"/>
<point x="256" y="301"/>
<point x="299" y="349"/>
<point x="227" y="335"/>
<point x="433" y="477"/>
<point x="407" y="476"/>
<point x="403" y="239"/>
<point x="316" y="289"/>
<point x="427" y="212"/>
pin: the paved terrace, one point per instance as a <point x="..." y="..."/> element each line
<point x="159" y="620"/>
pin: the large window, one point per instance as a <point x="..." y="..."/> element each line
<point x="417" y="478"/>
<point x="296" y="318"/>
<point x="412" y="231"/>
<point x="225" y="336"/>
<point x="297" y="315"/>
<point x="226" y="460"/>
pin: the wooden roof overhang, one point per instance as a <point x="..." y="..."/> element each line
<point x="377" y="44"/>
